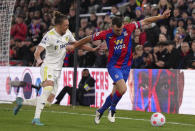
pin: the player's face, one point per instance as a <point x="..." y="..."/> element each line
<point x="117" y="30"/>
<point x="64" y="26"/>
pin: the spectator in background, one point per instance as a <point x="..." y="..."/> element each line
<point x="171" y="55"/>
<point x="183" y="56"/>
<point x="147" y="10"/>
<point x="93" y="19"/>
<point x="107" y="22"/>
<point x="163" y="30"/>
<point x="178" y="40"/>
<point x="138" y="13"/>
<point x="176" y="13"/>
<point x="161" y="56"/>
<point x="172" y="27"/>
<point x="36" y="30"/>
<point x="83" y="23"/>
<point x="148" y="57"/>
<point x="85" y="93"/>
<point x="192" y="54"/>
<point x="129" y="12"/>
<point x="162" y="37"/>
<point x="72" y="18"/>
<point x="138" y="58"/>
<point x="101" y="56"/>
<point x="115" y="11"/>
<point x="154" y="10"/>
<point x="19" y="30"/>
<point x="135" y="42"/>
<point x="163" y="5"/>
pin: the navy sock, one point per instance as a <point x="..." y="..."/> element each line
<point x="115" y="99"/>
<point x="106" y="105"/>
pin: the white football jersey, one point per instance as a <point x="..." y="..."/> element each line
<point x="54" y="45"/>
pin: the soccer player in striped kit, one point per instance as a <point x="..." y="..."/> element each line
<point x="119" y="44"/>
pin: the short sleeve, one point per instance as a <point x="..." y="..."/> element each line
<point x="71" y="38"/>
<point x="132" y="26"/>
<point x="45" y="41"/>
<point x="99" y="35"/>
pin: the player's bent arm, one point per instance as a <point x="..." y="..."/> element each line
<point x="83" y="41"/>
<point x="150" y="20"/>
<point x="38" y="51"/>
<point x="88" y="48"/>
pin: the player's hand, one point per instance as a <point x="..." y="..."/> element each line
<point x="70" y="48"/>
<point x="96" y="48"/>
<point x="166" y="13"/>
<point x="39" y="62"/>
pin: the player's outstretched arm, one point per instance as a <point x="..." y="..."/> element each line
<point x="79" y="43"/>
<point x="150" y="20"/>
<point x="37" y="56"/>
<point x="88" y="48"/>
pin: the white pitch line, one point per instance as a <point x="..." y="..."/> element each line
<point x="124" y="118"/>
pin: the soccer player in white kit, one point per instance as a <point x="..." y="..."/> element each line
<point x="54" y="43"/>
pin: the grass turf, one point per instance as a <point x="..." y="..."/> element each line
<point x="62" y="118"/>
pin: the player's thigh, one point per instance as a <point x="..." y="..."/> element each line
<point x="125" y="72"/>
<point x="121" y="86"/>
<point x="47" y="76"/>
<point x="56" y="81"/>
<point x="114" y="89"/>
<point x="115" y="74"/>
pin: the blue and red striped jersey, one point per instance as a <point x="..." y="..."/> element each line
<point x="120" y="54"/>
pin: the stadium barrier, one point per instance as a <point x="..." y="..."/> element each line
<point x="152" y="90"/>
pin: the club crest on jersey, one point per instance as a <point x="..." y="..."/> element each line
<point x="116" y="76"/>
<point x="66" y="38"/>
<point x="96" y="34"/>
<point x="125" y="33"/>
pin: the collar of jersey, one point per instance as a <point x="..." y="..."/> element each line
<point x="57" y="33"/>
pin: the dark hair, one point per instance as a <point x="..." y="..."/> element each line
<point x="85" y="70"/>
<point x="59" y="17"/>
<point x="117" y="21"/>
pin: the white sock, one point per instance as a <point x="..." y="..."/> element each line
<point x="31" y="102"/>
<point x="41" y="101"/>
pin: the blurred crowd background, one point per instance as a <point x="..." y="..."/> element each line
<point x="168" y="43"/>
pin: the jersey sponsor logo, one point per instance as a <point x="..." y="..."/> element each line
<point x="118" y="42"/>
<point x="63" y="45"/>
<point x="119" y="47"/>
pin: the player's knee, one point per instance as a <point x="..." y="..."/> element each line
<point x="51" y="98"/>
<point x="123" y="90"/>
<point x="48" y="88"/>
<point x="47" y="83"/>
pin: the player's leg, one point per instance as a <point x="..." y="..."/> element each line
<point x="115" y="75"/>
<point x="121" y="88"/>
<point x="62" y="94"/>
<point x="19" y="103"/>
<point x="42" y="101"/>
<point x="105" y="106"/>
<point x="47" y="76"/>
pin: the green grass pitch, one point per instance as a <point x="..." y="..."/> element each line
<point x="66" y="118"/>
